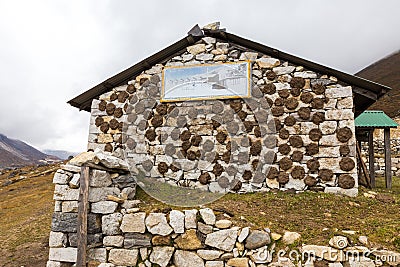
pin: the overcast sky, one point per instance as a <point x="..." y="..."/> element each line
<point x="51" y="51"/>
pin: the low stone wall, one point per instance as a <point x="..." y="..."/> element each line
<point x="380" y="160"/>
<point x="121" y="234"/>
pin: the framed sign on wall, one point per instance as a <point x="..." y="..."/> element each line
<point x="206" y="81"/>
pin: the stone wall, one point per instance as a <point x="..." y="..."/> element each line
<point x="296" y="131"/>
<point x="121" y="234"/>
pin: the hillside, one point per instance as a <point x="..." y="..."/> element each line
<point x="387" y="72"/>
<point x="61" y="154"/>
<point x="15" y="153"/>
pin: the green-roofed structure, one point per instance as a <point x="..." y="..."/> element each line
<point x="365" y="124"/>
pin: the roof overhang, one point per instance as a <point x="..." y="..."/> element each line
<point x="365" y="91"/>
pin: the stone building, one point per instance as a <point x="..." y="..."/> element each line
<point x="295" y="132"/>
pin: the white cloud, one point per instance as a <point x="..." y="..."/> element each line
<point x="51" y="51"/>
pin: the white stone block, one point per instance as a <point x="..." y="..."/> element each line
<point x="339" y="92"/>
<point x="104" y="207"/>
<point x="64" y="192"/>
<point x="127" y="257"/>
<point x="61" y="177"/>
<point x="57" y="239"/>
<point x="306" y="74"/>
<point x="69" y="206"/>
<point x="345" y="103"/>
<point x="343" y="114"/>
<point x="113" y="241"/>
<point x="328" y="127"/>
<point x="63" y="254"/>
<point x="329" y="140"/>
<point x="353" y="192"/>
<point x="177" y="221"/>
<point x="190" y="219"/>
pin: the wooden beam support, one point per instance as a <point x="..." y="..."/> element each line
<point x="82" y="216"/>
<point x="371" y="157"/>
<point x="388" y="159"/>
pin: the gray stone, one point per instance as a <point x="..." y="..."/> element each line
<point x="126" y="257"/>
<point x="104" y="207"/>
<point x="157" y="224"/>
<point x="204" y="57"/>
<point x="64" y="222"/>
<point x="136" y="240"/>
<point x="223" y="239"/>
<point x="63" y="254"/>
<point x="124" y="181"/>
<point x="74" y="182"/>
<point x="177" y="221"/>
<point x="257" y="239"/>
<point x="110" y="224"/>
<point x="184" y="258"/>
<point x="113" y="241"/>
<point x="204" y="228"/>
<point x="97" y="254"/>
<point x="97" y="194"/>
<point x="161" y="255"/>
<point x="111" y="162"/>
<point x="134" y="223"/>
<point x="100" y="179"/>
<point x="208" y="216"/>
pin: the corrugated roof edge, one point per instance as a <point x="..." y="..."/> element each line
<point x="365" y="87"/>
<point x="368" y="118"/>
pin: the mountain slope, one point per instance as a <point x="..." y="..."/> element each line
<point x="387" y="72"/>
<point x="61" y="154"/>
<point x="17" y="153"/>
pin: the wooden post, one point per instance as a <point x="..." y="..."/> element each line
<point x="388" y="159"/>
<point x="82" y="217"/>
<point x="371" y="157"/>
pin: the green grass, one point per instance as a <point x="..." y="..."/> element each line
<point x="317" y="216"/>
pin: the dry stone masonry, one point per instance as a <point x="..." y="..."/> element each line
<point x="295" y="132"/>
<point x="121" y="234"/>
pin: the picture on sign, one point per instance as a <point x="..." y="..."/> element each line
<point x="227" y="80"/>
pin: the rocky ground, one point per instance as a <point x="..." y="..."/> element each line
<point x="26" y="207"/>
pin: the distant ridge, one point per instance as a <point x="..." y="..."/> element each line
<point x="15" y="153"/>
<point x="387" y="72"/>
<point x="61" y="154"/>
